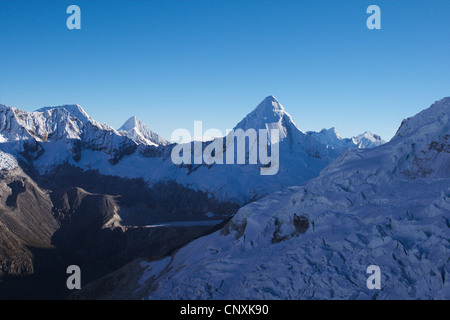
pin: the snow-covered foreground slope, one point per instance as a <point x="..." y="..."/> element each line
<point x="388" y="206"/>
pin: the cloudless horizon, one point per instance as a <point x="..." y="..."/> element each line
<point x="173" y="62"/>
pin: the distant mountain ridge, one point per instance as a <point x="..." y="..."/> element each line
<point x="52" y="136"/>
<point x="331" y="138"/>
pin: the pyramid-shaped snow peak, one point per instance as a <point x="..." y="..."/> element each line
<point x="140" y="133"/>
<point x="270" y="107"/>
<point x="269" y="114"/>
<point x="131" y="123"/>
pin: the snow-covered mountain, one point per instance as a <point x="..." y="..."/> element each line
<point x="388" y="206"/>
<point x="331" y="138"/>
<point x="137" y="131"/>
<point x="51" y="136"/>
<point x="77" y="111"/>
<point x="368" y="140"/>
<point x="55" y="136"/>
<point x="71" y="182"/>
<point x="270" y="114"/>
<point x="301" y="158"/>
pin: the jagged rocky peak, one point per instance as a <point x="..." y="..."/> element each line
<point x="74" y="109"/>
<point x="16" y="125"/>
<point x="79" y="113"/>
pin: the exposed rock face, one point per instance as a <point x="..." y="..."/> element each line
<point x="26" y="221"/>
<point x="97" y="222"/>
<point x="27" y="255"/>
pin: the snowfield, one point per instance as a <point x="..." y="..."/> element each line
<point x="7" y="161"/>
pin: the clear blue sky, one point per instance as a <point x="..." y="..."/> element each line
<point x="175" y="61"/>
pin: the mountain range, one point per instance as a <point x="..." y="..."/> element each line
<point x="388" y="206"/>
<point x="163" y="231"/>
<point x="67" y="135"/>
